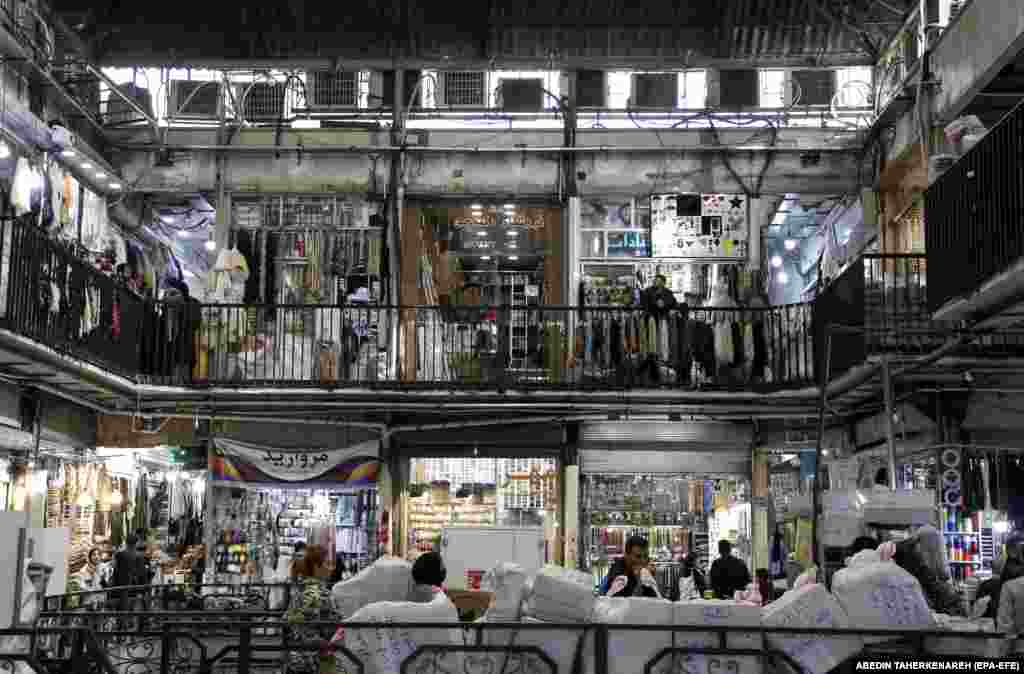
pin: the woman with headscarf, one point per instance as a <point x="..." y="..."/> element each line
<point x="923" y="556"/>
<point x="692" y="584"/>
<point x="779" y="555"/>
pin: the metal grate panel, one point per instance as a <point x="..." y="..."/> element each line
<point x="465" y="88"/>
<point x="264" y="101"/>
<point x="333" y="89"/>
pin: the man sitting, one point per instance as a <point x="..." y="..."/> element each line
<point x="630" y="575"/>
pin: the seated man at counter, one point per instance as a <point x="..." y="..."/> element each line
<point x="630" y="575"/>
<point x="428" y="573"/>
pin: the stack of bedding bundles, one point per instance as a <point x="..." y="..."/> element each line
<point x="811" y="606"/>
<point x="880" y="595"/>
<point x="719" y="613"/>
<point x="387" y="579"/>
<point x="382" y="650"/>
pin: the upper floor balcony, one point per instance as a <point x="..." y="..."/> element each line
<point x="976" y="227"/>
<point x="88" y="331"/>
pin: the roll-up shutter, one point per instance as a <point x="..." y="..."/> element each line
<point x="512" y="441"/>
<point x="665" y="447"/>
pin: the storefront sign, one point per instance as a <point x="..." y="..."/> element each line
<point x="232" y="461"/>
<point x="699" y="226"/>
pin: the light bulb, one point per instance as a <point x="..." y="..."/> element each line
<point x="782" y="277"/>
<point x="115" y="186"/>
<point x="481" y="233"/>
<point x="776" y="261"/>
<point x="86" y="165"/>
<point x="100" y="175"/>
<point x="68" y="153"/>
<point x="211" y="245"/>
<point x="5" y="150"/>
<point x="182" y="233"/>
<point x="513" y="257"/>
<point x="790" y="244"/>
<point x="512" y="232"/>
<point x="485" y="257"/>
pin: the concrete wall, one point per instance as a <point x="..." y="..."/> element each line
<point x="988" y="35"/>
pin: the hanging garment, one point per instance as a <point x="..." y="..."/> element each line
<point x="725" y="353"/>
<point x="21" y="187"/>
<point x="663" y="326"/>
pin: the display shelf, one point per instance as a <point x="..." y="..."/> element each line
<point x="961" y="533"/>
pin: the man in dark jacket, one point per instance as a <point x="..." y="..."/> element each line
<point x="728" y="574"/>
<point x="129" y="569"/>
<point x="629" y="576"/>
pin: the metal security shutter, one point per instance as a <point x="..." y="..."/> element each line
<point x="665" y="447"/>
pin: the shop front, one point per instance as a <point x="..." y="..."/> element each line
<point x="265" y="501"/>
<point x="681" y="489"/>
<point x="478" y="511"/>
<point x="489" y="267"/>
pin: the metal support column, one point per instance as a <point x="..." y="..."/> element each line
<point x="890" y="428"/>
<point x="826" y="370"/>
<point x="396" y="194"/>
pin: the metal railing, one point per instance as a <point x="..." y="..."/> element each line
<point x="49" y="294"/>
<point x="52" y="649"/>
<point x="975" y="213"/>
<point x="260" y="642"/>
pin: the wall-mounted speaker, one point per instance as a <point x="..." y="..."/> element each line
<point x="950" y="467"/>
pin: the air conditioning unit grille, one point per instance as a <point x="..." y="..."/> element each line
<point x="332" y="89"/>
<point x="464" y="88"/>
<point x="264" y="101"/>
<point x="189" y="97"/>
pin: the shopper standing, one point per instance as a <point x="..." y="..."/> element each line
<point x="692" y="584"/>
<point x="729" y="574"/>
<point x="630" y="575"/>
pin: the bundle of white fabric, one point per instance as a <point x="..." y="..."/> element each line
<point x="382" y="650"/>
<point x="878" y="594"/>
<point x="387" y="579"/>
<point x="810" y="606"/>
<point x="630" y="651"/>
<point x="719" y="613"/>
<point x="561" y="596"/>
<point x="508" y="582"/>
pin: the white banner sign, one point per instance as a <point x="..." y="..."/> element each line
<point x="293" y="465"/>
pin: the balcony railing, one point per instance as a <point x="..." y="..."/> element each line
<point x="48" y="294"/>
<point x="975" y="214"/>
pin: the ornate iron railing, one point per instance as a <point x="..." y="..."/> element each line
<point x="164" y="642"/>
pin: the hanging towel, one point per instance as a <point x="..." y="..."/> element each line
<point x="21" y="187"/>
<point x="724" y="349"/>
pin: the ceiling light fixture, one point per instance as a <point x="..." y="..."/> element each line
<point x="115" y="186"/>
<point x="782" y="277"/>
<point x="513" y="245"/>
<point x="513" y="257"/>
<point x="481" y="233"/>
<point x="512" y="232"/>
<point x="210" y="244"/>
<point x="100" y="175"/>
<point x="790" y="244"/>
<point x="182" y="233"/>
<point x="485" y="257"/>
<point x="68" y="153"/>
<point x="477" y="207"/>
<point x="86" y="165"/>
<point x="776" y="261"/>
<point x="5" y="150"/>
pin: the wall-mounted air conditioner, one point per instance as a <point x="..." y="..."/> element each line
<point x="521" y="95"/>
<point x="740" y="88"/>
<point x="261" y="101"/>
<point x="811" y="87"/>
<point x="193" y="99"/>
<point x="328" y="89"/>
<point x="591" y="89"/>
<point x="654" y="90"/>
<point x="118" y="111"/>
<point x="461" y="89"/>
<point x="382" y="89"/>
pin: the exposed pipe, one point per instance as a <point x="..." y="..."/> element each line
<point x="456" y="149"/>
